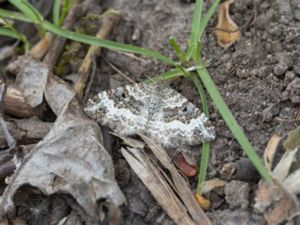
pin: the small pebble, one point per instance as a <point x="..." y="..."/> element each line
<point x="245" y="171"/>
<point x="296" y="69"/>
<point x="285" y="10"/>
<point x="297" y="14"/>
<point x="289" y="76"/>
<point x="237" y="194"/>
<point x="280" y="69"/>
<point x="137" y="206"/>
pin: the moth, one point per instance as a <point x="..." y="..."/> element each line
<point x="154" y="110"/>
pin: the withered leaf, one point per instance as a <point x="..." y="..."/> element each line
<point x="227" y="31"/>
<point x="70" y="159"/>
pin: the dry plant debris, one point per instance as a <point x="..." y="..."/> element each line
<point x="71" y="158"/>
<point x="110" y="18"/>
<point x="278" y="201"/>
<point x="188" y="168"/>
<point x="227" y="31"/>
<point x="183" y="209"/>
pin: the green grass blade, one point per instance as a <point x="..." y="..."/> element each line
<point x="206" y="145"/>
<point x="105" y="43"/>
<point x="207" y="17"/>
<point x="178" y="51"/>
<point x="89" y="39"/>
<point x="166" y="76"/>
<point x="232" y="124"/>
<point x="56" y="12"/>
<point x="15" y="16"/>
<point x="192" y="50"/>
<point x="9" y="33"/>
<point x="28" y="10"/>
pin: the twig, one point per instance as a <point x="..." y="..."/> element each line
<point x="120" y="72"/>
<point x="88" y="88"/>
<point x="110" y="18"/>
<point x="58" y="44"/>
<point x="10" y="140"/>
<point x="7" y="169"/>
<point x="14" y="104"/>
<point x="130" y="55"/>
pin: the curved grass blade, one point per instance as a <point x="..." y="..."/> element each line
<point x="105" y="43"/>
<point x="15" y="16"/>
<point x="26" y="8"/>
<point x="9" y="33"/>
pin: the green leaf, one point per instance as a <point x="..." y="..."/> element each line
<point x="192" y="50"/>
<point x="207" y="17"/>
<point x="178" y="51"/>
<point x="206" y="145"/>
<point x="56" y="12"/>
<point x="26" y="8"/>
<point x="15" y="16"/>
<point x="9" y="33"/>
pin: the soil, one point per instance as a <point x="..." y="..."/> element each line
<point x="258" y="77"/>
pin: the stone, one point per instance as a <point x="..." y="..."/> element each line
<point x="296" y="69"/>
<point x="237" y="194"/>
<point x="280" y="69"/>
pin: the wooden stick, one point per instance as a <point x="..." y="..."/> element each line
<point x="58" y="44"/>
<point x="14" y="104"/>
<point x="110" y="18"/>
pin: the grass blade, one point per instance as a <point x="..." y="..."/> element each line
<point x="207" y="17"/>
<point x="232" y="124"/>
<point x="9" y="33"/>
<point x="178" y="51"/>
<point x="56" y="12"/>
<point x="15" y="16"/>
<point x="26" y="8"/>
<point x="192" y="50"/>
<point x="206" y="145"/>
<point x="105" y="43"/>
<point x="89" y="39"/>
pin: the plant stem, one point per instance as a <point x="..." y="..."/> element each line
<point x="206" y="145"/>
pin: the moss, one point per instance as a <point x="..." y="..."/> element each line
<point x="68" y="58"/>
<point x="293" y="140"/>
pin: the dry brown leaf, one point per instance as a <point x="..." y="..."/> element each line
<point x="276" y="203"/>
<point x="282" y="169"/>
<point x="212" y="184"/>
<point x="188" y="168"/>
<point x="277" y="200"/>
<point x="181" y="185"/>
<point x="157" y="185"/>
<point x="4" y="221"/>
<point x="70" y="159"/>
<point x="31" y="80"/>
<point x="130" y="141"/>
<point x="227" y="31"/>
<point x="270" y="151"/>
<point x="18" y="221"/>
